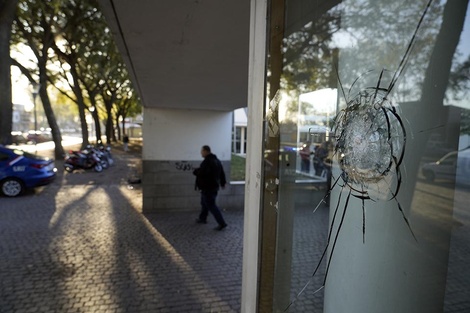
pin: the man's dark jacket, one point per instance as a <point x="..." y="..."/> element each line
<point x="210" y="175"/>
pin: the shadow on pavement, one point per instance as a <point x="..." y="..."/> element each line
<point x="81" y="245"/>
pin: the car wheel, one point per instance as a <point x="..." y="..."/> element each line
<point x="12" y="187"/>
<point x="98" y="167"/>
<point x="429" y="176"/>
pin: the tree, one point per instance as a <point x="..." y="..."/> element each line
<point x="7" y="15"/>
<point x="99" y="79"/>
<point x="36" y="31"/>
<point x="127" y="105"/>
<point x="386" y="35"/>
<point x="77" y="24"/>
<point x="438" y="75"/>
<point x="95" y="71"/>
<point x="75" y="53"/>
<point x="117" y="87"/>
<point x="308" y="54"/>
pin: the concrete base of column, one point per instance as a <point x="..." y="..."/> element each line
<point x="170" y="186"/>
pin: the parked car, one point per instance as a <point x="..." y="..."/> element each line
<point x="18" y="137"/>
<point x="454" y="165"/>
<point x="20" y="170"/>
<point x="38" y="136"/>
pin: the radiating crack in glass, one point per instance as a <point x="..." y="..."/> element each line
<point x="370" y="145"/>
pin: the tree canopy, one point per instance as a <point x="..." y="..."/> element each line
<point x="75" y="56"/>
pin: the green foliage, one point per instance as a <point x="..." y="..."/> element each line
<point x="388" y="36"/>
<point x="83" y="62"/>
<point x="237" y="168"/>
<point x="308" y="54"/>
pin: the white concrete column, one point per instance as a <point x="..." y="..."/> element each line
<point x="242" y="140"/>
<point x="171" y="150"/>
<point x="179" y="134"/>
<point x="253" y="188"/>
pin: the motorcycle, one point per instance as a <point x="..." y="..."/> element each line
<point x="100" y="154"/>
<point x="106" y="154"/>
<point x="86" y="159"/>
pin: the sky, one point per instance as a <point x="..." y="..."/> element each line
<point x="21" y="87"/>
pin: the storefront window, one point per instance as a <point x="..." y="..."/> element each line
<point x="363" y="97"/>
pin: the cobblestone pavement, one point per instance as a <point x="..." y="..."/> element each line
<point x="81" y="245"/>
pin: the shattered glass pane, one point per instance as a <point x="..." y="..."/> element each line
<point x="400" y="71"/>
<point x="370" y="140"/>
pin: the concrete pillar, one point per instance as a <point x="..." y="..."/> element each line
<point x="242" y="140"/>
<point x="171" y="151"/>
<point x="254" y="169"/>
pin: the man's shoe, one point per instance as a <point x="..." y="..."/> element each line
<point x="220" y="227"/>
<point x="199" y="221"/>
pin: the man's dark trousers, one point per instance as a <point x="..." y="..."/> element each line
<point x="208" y="205"/>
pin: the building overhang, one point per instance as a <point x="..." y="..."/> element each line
<point x="184" y="54"/>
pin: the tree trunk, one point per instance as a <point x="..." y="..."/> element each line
<point x="96" y="117"/>
<point x="7" y="14"/>
<point x="51" y="119"/>
<point x="124" y="125"/>
<point x="83" y="123"/>
<point x="109" y="125"/>
<point x="118" y="128"/>
<point x="438" y="72"/>
<point x="81" y="107"/>
<point x="96" y="120"/>
<point x="108" y="103"/>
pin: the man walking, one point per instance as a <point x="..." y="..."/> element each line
<point x="209" y="177"/>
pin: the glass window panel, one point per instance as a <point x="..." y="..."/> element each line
<point x="367" y="157"/>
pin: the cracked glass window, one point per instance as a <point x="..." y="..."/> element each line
<point x="367" y="157"/>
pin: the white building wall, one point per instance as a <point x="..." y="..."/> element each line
<point x="172" y="150"/>
<point x="180" y="134"/>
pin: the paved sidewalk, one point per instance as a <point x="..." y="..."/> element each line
<point x="81" y="245"/>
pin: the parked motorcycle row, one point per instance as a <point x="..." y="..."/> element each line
<point x="91" y="158"/>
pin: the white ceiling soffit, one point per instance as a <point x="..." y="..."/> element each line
<point x="184" y="54"/>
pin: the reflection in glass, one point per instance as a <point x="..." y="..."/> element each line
<point x="314" y="121"/>
<point x="385" y="153"/>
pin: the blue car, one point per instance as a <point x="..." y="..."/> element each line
<point x="20" y="170"/>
